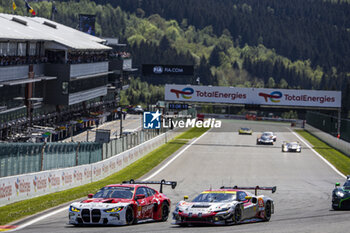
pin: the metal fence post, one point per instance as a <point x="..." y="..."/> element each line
<point x="42" y="157"/>
<point x="102" y="152"/>
<point x="77" y="155"/>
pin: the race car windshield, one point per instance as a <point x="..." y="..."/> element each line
<point x="267" y="134"/>
<point x="215" y="197"/>
<point x="115" y="192"/>
<point x="245" y="129"/>
<point x="347" y="184"/>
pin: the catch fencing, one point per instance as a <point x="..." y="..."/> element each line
<point x="339" y="144"/>
<point x="22" y="158"/>
<point x="329" y="124"/>
<point x="22" y="187"/>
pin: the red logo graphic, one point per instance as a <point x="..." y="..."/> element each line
<point x="185" y="93"/>
<point x="273" y="96"/>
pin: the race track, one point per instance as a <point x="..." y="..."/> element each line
<point x="222" y="157"/>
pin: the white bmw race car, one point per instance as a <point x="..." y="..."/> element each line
<point x="122" y="204"/>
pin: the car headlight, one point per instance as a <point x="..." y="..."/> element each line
<point x="224" y="209"/>
<point x="114" y="210"/>
<point x="339" y="194"/>
<point x="73" y="209"/>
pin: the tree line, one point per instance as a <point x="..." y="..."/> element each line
<point x="222" y="49"/>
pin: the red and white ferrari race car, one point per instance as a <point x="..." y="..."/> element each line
<point x="122" y="204"/>
<point x="225" y="206"/>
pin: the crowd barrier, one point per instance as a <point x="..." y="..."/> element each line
<point x="22" y="187"/>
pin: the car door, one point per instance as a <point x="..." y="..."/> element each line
<point x="249" y="209"/>
<point x="142" y="204"/>
<point x="152" y="200"/>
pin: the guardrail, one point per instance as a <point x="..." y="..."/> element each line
<point x="22" y="187"/>
<point x="339" y="144"/>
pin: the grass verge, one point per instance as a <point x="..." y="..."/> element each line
<point x="135" y="170"/>
<point x="335" y="157"/>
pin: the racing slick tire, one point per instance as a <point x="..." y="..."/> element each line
<point x="165" y="212"/>
<point x="130" y="216"/>
<point x="237" y="215"/>
<point x="268" y="210"/>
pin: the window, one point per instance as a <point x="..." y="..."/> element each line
<point x="4" y="49"/>
<point x="32" y="49"/>
<point x="151" y="192"/>
<point x="21" y="49"/>
<point x="142" y="190"/>
<point x="347" y="183"/>
<point x="12" y="49"/>
<point x="241" y="196"/>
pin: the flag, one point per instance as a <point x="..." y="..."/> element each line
<point x="14" y="5"/>
<point x="30" y="9"/>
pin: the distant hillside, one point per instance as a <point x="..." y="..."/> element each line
<point x="300" y="29"/>
<point x="221" y="56"/>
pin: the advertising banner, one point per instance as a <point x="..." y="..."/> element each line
<point x="259" y="96"/>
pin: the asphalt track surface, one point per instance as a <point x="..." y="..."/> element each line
<point x="222" y="157"/>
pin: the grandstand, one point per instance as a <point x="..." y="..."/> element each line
<point x="54" y="76"/>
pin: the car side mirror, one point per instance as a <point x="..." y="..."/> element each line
<point x="248" y="197"/>
<point x="337" y="184"/>
<point x="90" y="195"/>
<point x="185" y="198"/>
<point x="140" y="196"/>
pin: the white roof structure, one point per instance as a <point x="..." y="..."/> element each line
<point x="15" y="27"/>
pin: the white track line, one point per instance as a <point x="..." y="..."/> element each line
<point x="39" y="218"/>
<point x="175" y="157"/>
<point x="320" y="156"/>
<point x="66" y="207"/>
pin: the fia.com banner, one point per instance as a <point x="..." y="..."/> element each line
<point x="260" y="96"/>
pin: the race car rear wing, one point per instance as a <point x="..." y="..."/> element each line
<point x="256" y="188"/>
<point x="162" y="182"/>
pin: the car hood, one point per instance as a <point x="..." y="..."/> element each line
<point x="203" y="207"/>
<point x="98" y="205"/>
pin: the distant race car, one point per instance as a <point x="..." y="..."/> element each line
<point x="291" y="146"/>
<point x="266" y="138"/>
<point x="225" y="206"/>
<point x="245" y="131"/>
<point x="341" y="196"/>
<point x="122" y="204"/>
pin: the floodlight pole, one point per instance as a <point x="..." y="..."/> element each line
<point x="121" y="109"/>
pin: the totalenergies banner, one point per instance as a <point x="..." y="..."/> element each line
<point x="260" y="96"/>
